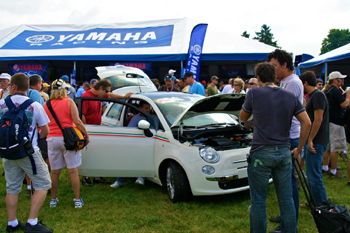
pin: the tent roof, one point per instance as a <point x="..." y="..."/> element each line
<point x="159" y="40"/>
<point x="334" y="55"/>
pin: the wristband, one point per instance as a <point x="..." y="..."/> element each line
<point x="348" y="97"/>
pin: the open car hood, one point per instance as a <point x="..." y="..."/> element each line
<point x="226" y="103"/>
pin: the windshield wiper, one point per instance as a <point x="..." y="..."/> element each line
<point x="216" y="124"/>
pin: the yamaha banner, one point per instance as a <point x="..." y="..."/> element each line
<point x="195" y="50"/>
<point x="30" y="69"/>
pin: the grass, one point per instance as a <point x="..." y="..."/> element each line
<point x="135" y="208"/>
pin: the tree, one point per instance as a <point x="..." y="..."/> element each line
<point x="335" y="39"/>
<point x="265" y="36"/>
<point x="245" y="34"/>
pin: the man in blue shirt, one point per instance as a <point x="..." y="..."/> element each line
<point x="35" y="82"/>
<point x="80" y="90"/>
<point x="194" y="87"/>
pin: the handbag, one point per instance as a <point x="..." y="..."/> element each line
<point x="72" y="136"/>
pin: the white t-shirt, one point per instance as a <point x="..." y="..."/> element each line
<point x="36" y="115"/>
<point x="227" y="89"/>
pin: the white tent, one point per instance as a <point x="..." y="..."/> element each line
<point x="334" y="55"/>
<point x="160" y="40"/>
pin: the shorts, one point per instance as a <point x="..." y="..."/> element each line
<point x="337" y="138"/>
<point x="15" y="171"/>
<point x="60" y="157"/>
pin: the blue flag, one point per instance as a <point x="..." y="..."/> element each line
<point x="195" y="50"/>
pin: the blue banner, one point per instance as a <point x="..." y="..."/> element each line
<point x="30" y="69"/>
<point x="93" y="38"/>
<point x="195" y="50"/>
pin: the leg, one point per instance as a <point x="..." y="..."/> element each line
<point x="75" y="181"/>
<point x="334" y="160"/>
<point x="258" y="177"/>
<point x="55" y="174"/>
<point x="326" y="155"/>
<point x="37" y="201"/>
<point x="314" y="173"/>
<point x="11" y="206"/>
<point x="282" y="177"/>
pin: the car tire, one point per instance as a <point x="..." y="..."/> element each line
<point x="177" y="184"/>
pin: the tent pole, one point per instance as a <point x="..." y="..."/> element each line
<point x="325" y="72"/>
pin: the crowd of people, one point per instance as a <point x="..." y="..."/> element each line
<point x="310" y="120"/>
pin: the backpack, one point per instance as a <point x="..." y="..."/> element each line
<point x="14" y="127"/>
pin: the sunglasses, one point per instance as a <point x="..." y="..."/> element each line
<point x="251" y="83"/>
<point x="236" y="85"/>
<point x="107" y="91"/>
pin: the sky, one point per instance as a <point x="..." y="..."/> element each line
<point x="299" y="26"/>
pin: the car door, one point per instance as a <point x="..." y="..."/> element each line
<point x="116" y="151"/>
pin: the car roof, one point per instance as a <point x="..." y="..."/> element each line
<point x="160" y="94"/>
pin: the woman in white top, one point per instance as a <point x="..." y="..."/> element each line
<point x="238" y="86"/>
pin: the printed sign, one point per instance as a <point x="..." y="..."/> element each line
<point x="93" y="38"/>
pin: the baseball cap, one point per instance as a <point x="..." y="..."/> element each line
<point x="58" y="84"/>
<point x="171" y="71"/>
<point x="5" y="76"/>
<point x="65" y="77"/>
<point x="46" y="85"/>
<point x="188" y="74"/>
<point x="336" y="74"/>
<point x="168" y="77"/>
<point x="93" y="81"/>
<point x="214" y="77"/>
<point x="204" y="82"/>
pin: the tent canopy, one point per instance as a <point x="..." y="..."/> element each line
<point x="334" y="55"/>
<point x="160" y="40"/>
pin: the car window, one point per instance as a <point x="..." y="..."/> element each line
<point x="115" y="111"/>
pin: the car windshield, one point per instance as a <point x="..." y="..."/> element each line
<point x="173" y="107"/>
<point x="119" y="81"/>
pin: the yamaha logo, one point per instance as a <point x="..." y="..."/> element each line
<point x="16" y="67"/>
<point x="39" y="39"/>
<point x="197" y="50"/>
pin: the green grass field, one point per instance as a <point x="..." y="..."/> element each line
<point x="135" y="208"/>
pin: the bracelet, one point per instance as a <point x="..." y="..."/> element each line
<point x="348" y="97"/>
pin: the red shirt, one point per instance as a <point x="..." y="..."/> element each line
<point x="63" y="113"/>
<point x="92" y="109"/>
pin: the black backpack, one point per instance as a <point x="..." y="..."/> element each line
<point x="14" y="128"/>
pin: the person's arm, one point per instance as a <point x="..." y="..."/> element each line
<point x="305" y="122"/>
<point x="244" y="116"/>
<point x="83" y="119"/>
<point x="44" y="131"/>
<point x="318" y="118"/>
<point x="345" y="104"/>
<point x="116" y="96"/>
<point x="75" y="116"/>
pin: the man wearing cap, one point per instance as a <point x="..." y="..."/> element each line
<point x="194" y="87"/>
<point x="319" y="84"/>
<point x="172" y="73"/>
<point x="71" y="91"/>
<point x="337" y="105"/>
<point x="168" y="86"/>
<point x="212" y="88"/>
<point x="5" y="85"/>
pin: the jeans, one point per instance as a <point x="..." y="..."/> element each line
<point x="314" y="172"/>
<point x="275" y="161"/>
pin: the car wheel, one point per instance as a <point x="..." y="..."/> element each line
<point x="177" y="183"/>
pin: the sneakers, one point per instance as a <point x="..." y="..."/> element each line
<point x="20" y="226"/>
<point x="275" y="219"/>
<point x="101" y="180"/>
<point x="277" y="230"/>
<point x="117" y="184"/>
<point x="53" y="202"/>
<point x="39" y="227"/>
<point x="87" y="182"/>
<point x="78" y="203"/>
<point x="343" y="156"/>
<point x="140" y="180"/>
<point x="338" y="175"/>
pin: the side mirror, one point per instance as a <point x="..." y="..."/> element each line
<point x="145" y="125"/>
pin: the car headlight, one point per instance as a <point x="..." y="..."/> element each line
<point x="209" y="155"/>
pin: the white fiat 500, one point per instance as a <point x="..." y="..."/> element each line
<point x="198" y="147"/>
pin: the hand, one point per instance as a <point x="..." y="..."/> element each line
<point x="295" y="152"/>
<point x="87" y="139"/>
<point x="127" y="95"/>
<point x="311" y="147"/>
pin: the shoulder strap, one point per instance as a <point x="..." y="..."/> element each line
<point x="49" y="106"/>
<point x="12" y="107"/>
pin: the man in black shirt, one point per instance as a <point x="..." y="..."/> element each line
<point x="317" y="109"/>
<point x="337" y="104"/>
